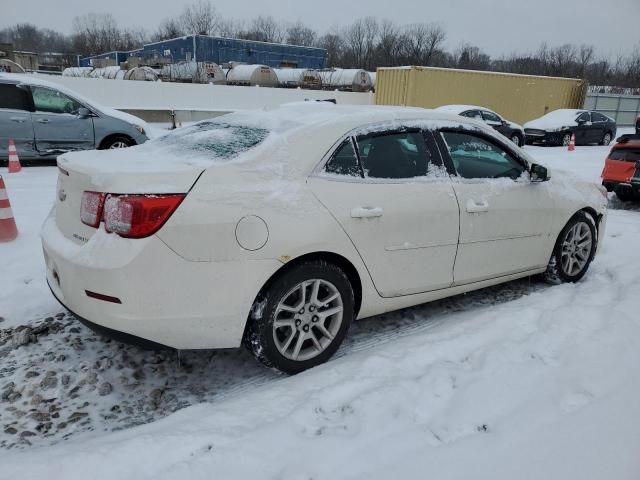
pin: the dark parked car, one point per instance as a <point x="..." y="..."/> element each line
<point x="638" y="125"/>
<point x="556" y="128"/>
<point x="45" y="120"/>
<point x="512" y="131"/>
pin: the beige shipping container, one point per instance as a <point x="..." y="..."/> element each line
<point x="519" y="98"/>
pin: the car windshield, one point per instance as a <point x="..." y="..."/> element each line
<point x="219" y="140"/>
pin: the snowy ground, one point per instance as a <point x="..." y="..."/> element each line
<point x="518" y="381"/>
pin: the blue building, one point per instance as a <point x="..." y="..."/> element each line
<point x="116" y="57"/>
<point x="202" y="48"/>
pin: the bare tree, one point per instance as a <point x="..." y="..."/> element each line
<point x="169" y="28"/>
<point x="300" y="34"/>
<point x="471" y="57"/>
<point x="389" y="48"/>
<point x="421" y="42"/>
<point x="333" y="43"/>
<point x="264" y="29"/>
<point x="200" y="18"/>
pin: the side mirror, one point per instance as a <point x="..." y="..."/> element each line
<point x="538" y="173"/>
<point x="581" y="121"/>
<point x="84" y="113"/>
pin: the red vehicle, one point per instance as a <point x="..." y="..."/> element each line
<point x="621" y="173"/>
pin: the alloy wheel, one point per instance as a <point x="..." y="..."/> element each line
<point x="307" y="319"/>
<point x="576" y="249"/>
<point x="118" y="144"/>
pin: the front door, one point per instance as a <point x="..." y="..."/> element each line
<point x="398" y="207"/>
<point x="505" y="219"/>
<point x="57" y="126"/>
<point x="15" y="121"/>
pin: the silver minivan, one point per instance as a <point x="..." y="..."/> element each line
<point x="45" y="120"/>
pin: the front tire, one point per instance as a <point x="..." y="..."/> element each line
<point x="565" y="140"/>
<point x="574" y="250"/>
<point x="119" y="141"/>
<point x="302" y="318"/>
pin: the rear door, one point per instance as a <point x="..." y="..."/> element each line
<point x="600" y="124"/>
<point x="505" y="219"/>
<point x="397" y="205"/>
<point x="57" y="126"/>
<point x="15" y="121"/>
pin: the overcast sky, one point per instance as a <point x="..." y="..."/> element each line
<point x="497" y="26"/>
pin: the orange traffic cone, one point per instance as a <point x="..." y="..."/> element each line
<point x="572" y="142"/>
<point x="8" y="229"/>
<point x="14" y="161"/>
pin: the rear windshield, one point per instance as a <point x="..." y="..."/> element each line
<point x="218" y="140"/>
<point x="627" y="154"/>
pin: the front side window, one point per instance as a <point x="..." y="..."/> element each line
<point x="393" y="155"/>
<point x="52" y="101"/>
<point x="14" y="98"/>
<point x="475" y="157"/>
<point x="344" y="161"/>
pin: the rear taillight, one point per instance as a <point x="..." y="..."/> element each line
<point x="131" y="216"/>
<point x="91" y="208"/>
<point x="137" y="216"/>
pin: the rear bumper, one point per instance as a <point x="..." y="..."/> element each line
<point x="163" y="298"/>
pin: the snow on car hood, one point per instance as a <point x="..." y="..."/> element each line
<point x="555" y="119"/>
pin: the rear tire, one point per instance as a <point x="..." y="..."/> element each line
<point x="573" y="251"/>
<point x="515" y="138"/>
<point x="290" y="327"/>
<point x="606" y="140"/>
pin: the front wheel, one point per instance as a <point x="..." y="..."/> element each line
<point x="302" y="318"/>
<point x="119" y="141"/>
<point x="574" y="250"/>
<point x="565" y="140"/>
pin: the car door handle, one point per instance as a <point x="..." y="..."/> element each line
<point x="43" y="120"/>
<point x="366" y="212"/>
<point x="473" y="206"/>
<point x="18" y="119"/>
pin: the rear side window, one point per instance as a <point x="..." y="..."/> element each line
<point x="626" y="154"/>
<point x="344" y="161"/>
<point x="472" y="114"/>
<point x="598" y="117"/>
<point x="393" y="155"/>
<point x="475" y="157"/>
<point x="14" y="98"/>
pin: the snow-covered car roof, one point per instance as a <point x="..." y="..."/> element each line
<point x="288" y="140"/>
<point x="458" y="109"/>
<point x="37" y="80"/>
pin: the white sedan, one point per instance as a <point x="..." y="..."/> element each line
<point x="277" y="228"/>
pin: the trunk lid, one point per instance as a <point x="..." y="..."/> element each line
<point x="113" y="172"/>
